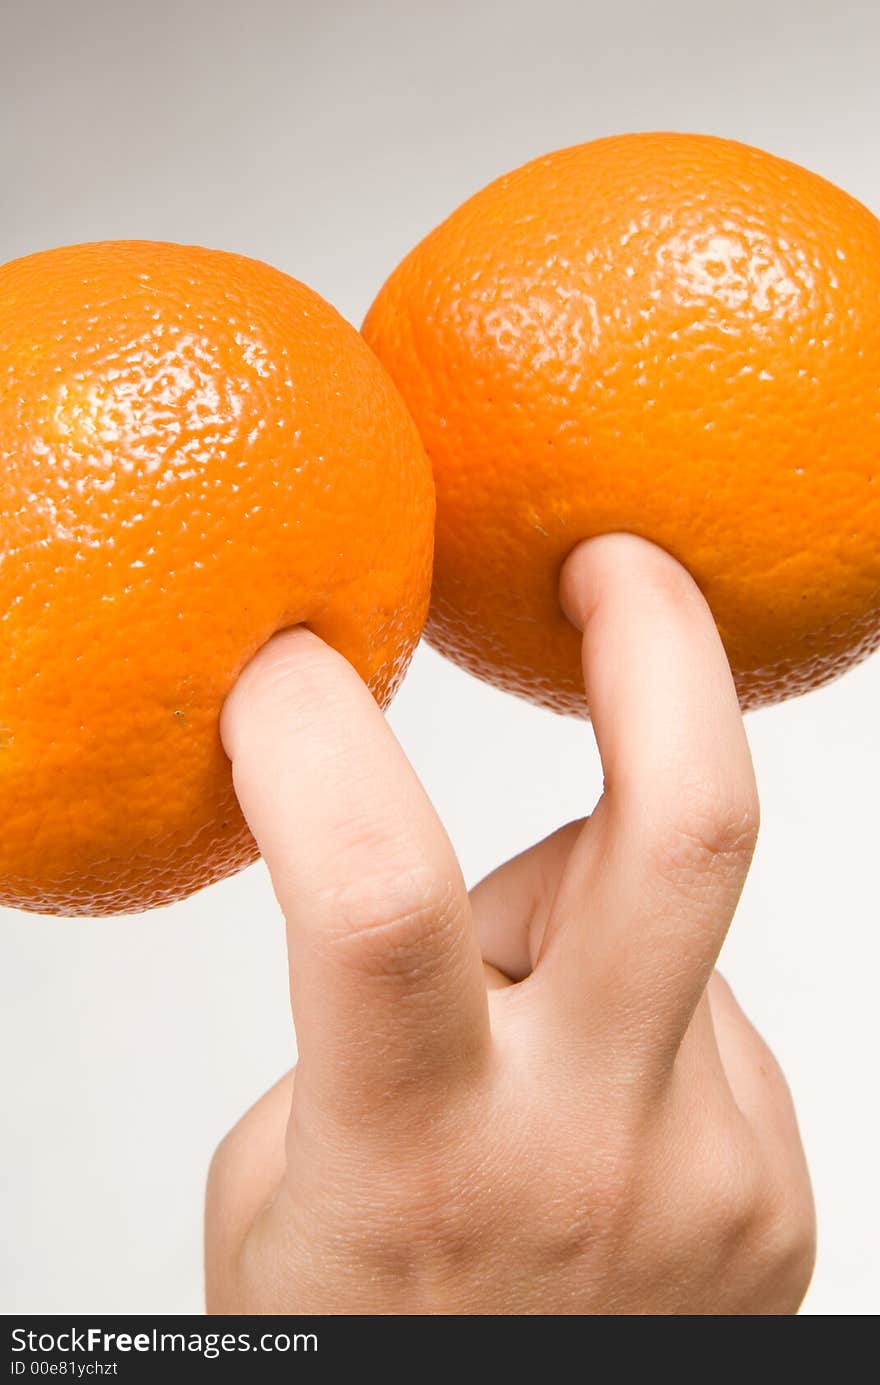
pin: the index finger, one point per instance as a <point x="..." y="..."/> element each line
<point x="660" y="865"/>
<point x="385" y="971"/>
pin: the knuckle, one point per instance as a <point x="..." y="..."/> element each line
<point x="764" y="1223"/>
<point x="606" y="1192"/>
<point x="738" y="1203"/>
<point x="712" y="827"/>
<point x="431" y="1246"/>
<point x="399" y="924"/>
<point x="787" y="1234"/>
<point x="729" y="1192"/>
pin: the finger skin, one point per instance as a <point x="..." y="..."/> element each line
<point x="661" y="863"/>
<point x="512" y="904"/>
<point x="756" y="1080"/>
<point x="761" y="1092"/>
<point x="386" y="977"/>
<point x="246" y="1171"/>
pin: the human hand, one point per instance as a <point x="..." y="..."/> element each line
<point x="592" y="1127"/>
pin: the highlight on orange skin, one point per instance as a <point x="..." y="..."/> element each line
<point x="672" y="335"/>
<point x="197" y="451"/>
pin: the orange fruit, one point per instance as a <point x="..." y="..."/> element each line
<point x="674" y="335"/>
<point x="196" y="452"/>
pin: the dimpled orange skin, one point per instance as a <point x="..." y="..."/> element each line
<point x="674" y="335"/>
<point x="196" y="452"/>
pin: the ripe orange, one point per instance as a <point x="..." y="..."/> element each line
<point x="670" y="334"/>
<point x="196" y="451"/>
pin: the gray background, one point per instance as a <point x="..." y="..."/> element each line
<point x="326" y="138"/>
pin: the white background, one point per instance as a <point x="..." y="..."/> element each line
<point x="326" y="138"/>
